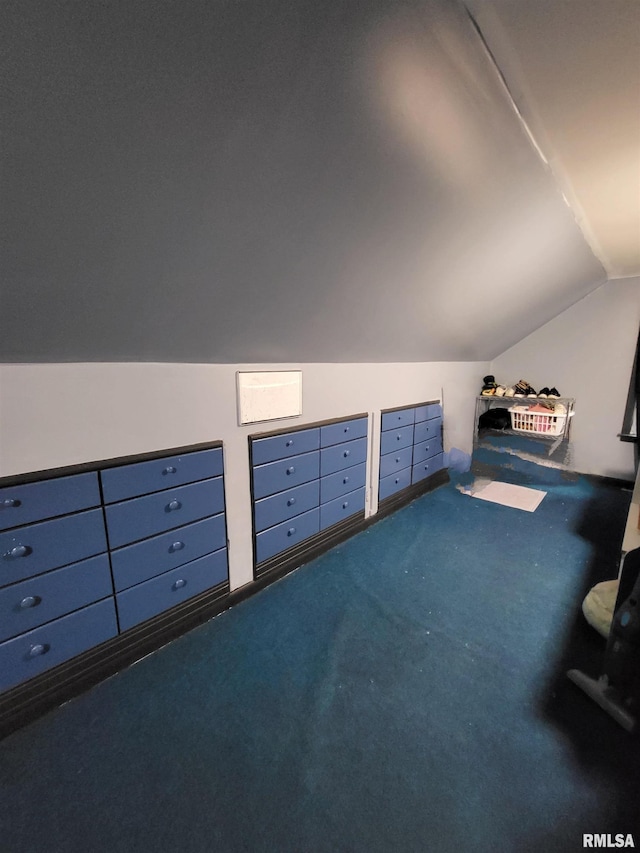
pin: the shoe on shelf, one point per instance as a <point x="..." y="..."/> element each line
<point x="553" y="393"/>
<point x="510" y="392"/>
<point x="531" y="392"/>
<point x="500" y="391"/>
<point x="489" y="386"/>
<point x="544" y="392"/>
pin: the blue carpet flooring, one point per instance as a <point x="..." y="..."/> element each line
<point x="404" y="692"/>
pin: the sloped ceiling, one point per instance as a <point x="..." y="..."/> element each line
<point x="270" y="182"/>
<point x="573" y="69"/>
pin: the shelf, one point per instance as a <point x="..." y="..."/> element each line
<point x="485" y="403"/>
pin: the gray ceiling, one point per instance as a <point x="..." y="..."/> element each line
<point x="573" y="69"/>
<point x="264" y="182"/>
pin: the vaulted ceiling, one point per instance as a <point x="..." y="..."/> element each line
<point x="573" y="70"/>
<point x="276" y="182"/>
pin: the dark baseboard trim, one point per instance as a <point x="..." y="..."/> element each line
<point x="280" y="565"/>
<point x="405" y="496"/>
<point x="26" y="702"/>
<point x="609" y="481"/>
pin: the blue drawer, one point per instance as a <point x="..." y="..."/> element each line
<point x="33" y="602"/>
<point x="136" y="563"/>
<point x="58" y="641"/>
<point x="341" y="456"/>
<point x="431" y="410"/>
<point x="142" y="478"/>
<point x="285" y="445"/>
<point x="154" y="596"/>
<point x="47" y="499"/>
<point x="427" y="429"/>
<point x="334" y="485"/>
<point x="279" y="507"/>
<point x="392" y="462"/>
<point x="393" y="483"/>
<point x="341" y="508"/>
<point x="344" y="431"/>
<point x="138" y="518"/>
<point x="426" y="468"/>
<point x="27" y="551"/>
<point x="426" y="449"/>
<point x="391" y="420"/>
<point x="285" y="474"/>
<point x="396" y="439"/>
<point x="285" y="535"/>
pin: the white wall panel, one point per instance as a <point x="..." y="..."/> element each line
<point x="64" y="414"/>
<point x="587" y="352"/>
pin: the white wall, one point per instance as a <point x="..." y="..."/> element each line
<point x="587" y="352"/>
<point x="54" y="415"/>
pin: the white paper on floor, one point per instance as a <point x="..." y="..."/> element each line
<point x="518" y="497"/>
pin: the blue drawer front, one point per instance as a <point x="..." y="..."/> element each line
<point x="392" y="462"/>
<point x="341" y="456"/>
<point x="393" y="483"/>
<point x="33" y="602"/>
<point x="154" y="596"/>
<point x="36" y="548"/>
<point x="141" y="517"/>
<point x="341" y="508"/>
<point x="391" y="420"/>
<point x="424" y="413"/>
<point x="136" y="563"/>
<point x="285" y="535"/>
<point x="285" y="445"/>
<point x="47" y="499"/>
<point x="427" y="429"/>
<point x="142" y="478"/>
<point x="396" y="439"/>
<point x="58" y="641"/>
<point x="279" y="507"/>
<point x="344" y="431"/>
<point x="285" y="474"/>
<point x="426" y="449"/>
<point x="334" y="485"/>
<point x="426" y="468"/>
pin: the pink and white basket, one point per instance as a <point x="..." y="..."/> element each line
<point x="538" y="423"/>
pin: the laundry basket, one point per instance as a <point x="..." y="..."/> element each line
<point x="539" y="423"/>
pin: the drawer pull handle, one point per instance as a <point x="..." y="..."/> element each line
<point x="8" y="503"/>
<point x="345" y="504"/>
<point x="291" y="501"/>
<point x="289" y="443"/>
<point x="397" y="480"/>
<point x="170" y="469"/>
<point x="346" y="429"/>
<point x="30" y="601"/>
<point x="174" y="504"/>
<point x="345" y="480"/>
<point x="176" y="546"/>
<point x="397" y="458"/>
<point x="179" y="584"/>
<point x="19" y="551"/>
<point x="39" y="649"/>
<point x="346" y="453"/>
<point x="291" y="531"/>
<point x="398" y="437"/>
<point x="291" y="470"/>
